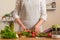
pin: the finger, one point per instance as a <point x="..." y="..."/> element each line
<point x="37" y="32"/>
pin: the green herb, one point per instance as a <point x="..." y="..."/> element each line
<point x="7" y="33"/>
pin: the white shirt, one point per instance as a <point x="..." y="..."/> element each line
<point x="33" y="10"/>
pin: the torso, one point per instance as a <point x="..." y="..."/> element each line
<point x="31" y="12"/>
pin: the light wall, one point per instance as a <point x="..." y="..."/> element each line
<point x="7" y="6"/>
<point x="53" y="16"/>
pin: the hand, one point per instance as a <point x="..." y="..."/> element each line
<point x="24" y="28"/>
<point x="28" y="30"/>
<point x="37" y="29"/>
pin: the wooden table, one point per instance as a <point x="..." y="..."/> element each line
<point x="29" y="38"/>
<point x="25" y="38"/>
<point x="40" y="38"/>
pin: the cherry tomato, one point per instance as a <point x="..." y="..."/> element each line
<point x="49" y="34"/>
<point x="33" y="35"/>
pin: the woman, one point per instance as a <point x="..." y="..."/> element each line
<point x="30" y="14"/>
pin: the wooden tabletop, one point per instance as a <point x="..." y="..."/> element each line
<point x="36" y="38"/>
<point x="26" y="38"/>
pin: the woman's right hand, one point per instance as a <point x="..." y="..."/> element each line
<point x="24" y="28"/>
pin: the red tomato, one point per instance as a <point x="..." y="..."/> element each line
<point x="33" y="32"/>
<point x="49" y="34"/>
<point x="33" y="35"/>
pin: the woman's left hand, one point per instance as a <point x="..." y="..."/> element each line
<point x="37" y="29"/>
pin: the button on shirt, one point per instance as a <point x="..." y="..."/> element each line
<point x="32" y="11"/>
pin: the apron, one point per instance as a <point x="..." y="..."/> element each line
<point x="30" y="12"/>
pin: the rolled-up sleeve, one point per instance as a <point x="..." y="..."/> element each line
<point x="17" y="7"/>
<point x="15" y="14"/>
<point x="43" y="9"/>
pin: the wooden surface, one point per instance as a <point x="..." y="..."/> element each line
<point x="29" y="38"/>
<point x="25" y="38"/>
<point x="40" y="38"/>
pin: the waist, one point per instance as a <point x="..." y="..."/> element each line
<point x="29" y="23"/>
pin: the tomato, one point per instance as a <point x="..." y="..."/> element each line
<point x="33" y="35"/>
<point x="49" y="34"/>
<point x="33" y="32"/>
